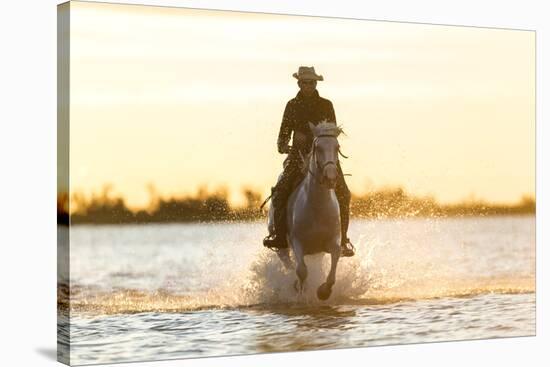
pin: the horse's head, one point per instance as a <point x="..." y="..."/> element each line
<point x="324" y="153"/>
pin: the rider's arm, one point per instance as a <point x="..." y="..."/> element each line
<point x="286" y="130"/>
<point x="331" y="114"/>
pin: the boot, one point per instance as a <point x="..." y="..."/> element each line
<point x="348" y="249"/>
<point x="277" y="240"/>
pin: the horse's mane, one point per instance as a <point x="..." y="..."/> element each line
<point x="328" y="128"/>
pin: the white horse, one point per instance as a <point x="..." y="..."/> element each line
<point x="313" y="212"/>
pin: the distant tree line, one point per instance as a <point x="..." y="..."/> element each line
<point x="394" y="202"/>
<point x="106" y="208"/>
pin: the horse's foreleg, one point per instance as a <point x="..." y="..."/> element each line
<point x="325" y="289"/>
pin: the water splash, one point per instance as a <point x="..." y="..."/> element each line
<point x="377" y="275"/>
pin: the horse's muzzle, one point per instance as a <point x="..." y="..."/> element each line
<point x="330" y="174"/>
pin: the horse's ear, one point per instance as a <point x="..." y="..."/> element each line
<point x="312" y="128"/>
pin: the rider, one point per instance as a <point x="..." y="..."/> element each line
<point x="306" y="107"/>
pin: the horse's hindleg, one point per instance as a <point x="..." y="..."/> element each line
<point x="301" y="269"/>
<point x="301" y="272"/>
<point x="325" y="289"/>
<point x="284" y="256"/>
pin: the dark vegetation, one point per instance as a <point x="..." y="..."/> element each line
<point x="105" y="208"/>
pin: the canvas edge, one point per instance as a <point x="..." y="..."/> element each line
<point x="63" y="219"/>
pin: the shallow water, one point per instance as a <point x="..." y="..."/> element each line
<point x="188" y="290"/>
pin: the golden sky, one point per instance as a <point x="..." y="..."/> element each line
<point x="180" y="97"/>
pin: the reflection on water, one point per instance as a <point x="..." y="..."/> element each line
<point x="188" y="290"/>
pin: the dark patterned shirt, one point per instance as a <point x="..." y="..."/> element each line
<point x="299" y="112"/>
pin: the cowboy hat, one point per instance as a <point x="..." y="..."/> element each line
<point x="307" y="73"/>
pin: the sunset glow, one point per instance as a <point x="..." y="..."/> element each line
<point x="180" y="98"/>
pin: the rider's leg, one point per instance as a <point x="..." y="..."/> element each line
<point x="278" y="200"/>
<point x="344" y="197"/>
<point x="280" y="194"/>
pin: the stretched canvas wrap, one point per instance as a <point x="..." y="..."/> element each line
<point x="402" y="161"/>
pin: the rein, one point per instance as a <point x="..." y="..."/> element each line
<point x="312" y="153"/>
<point x="306" y="164"/>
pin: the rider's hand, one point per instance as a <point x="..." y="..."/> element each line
<point x="284" y="149"/>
